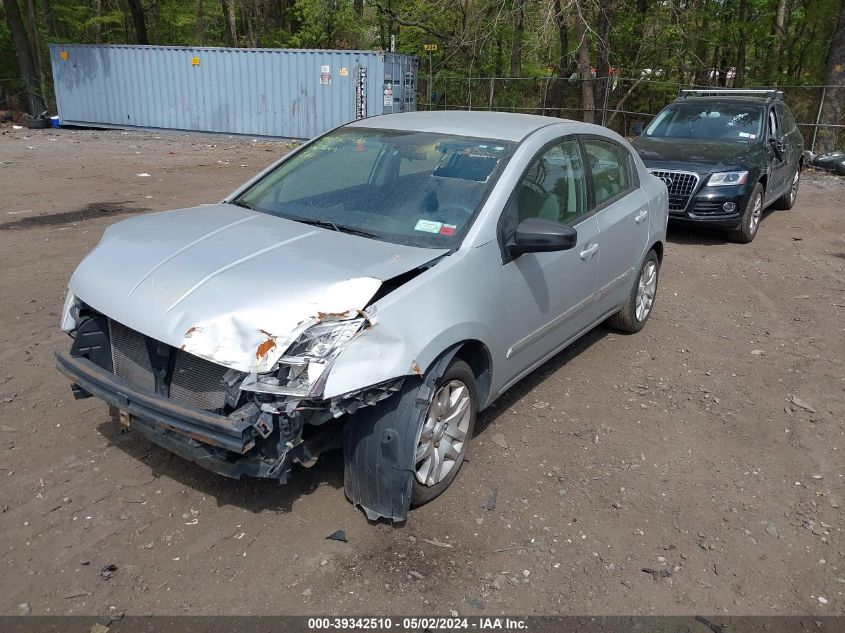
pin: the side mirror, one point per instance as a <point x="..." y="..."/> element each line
<point x="637" y="128"/>
<point x="542" y="236"/>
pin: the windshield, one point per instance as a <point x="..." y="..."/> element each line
<point x="721" y="121"/>
<point x="410" y="188"/>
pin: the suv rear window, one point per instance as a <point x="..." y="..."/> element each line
<point x="708" y="120"/>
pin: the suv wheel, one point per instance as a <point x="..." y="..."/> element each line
<point x="787" y="200"/>
<point x="636" y="310"/>
<point x="747" y="228"/>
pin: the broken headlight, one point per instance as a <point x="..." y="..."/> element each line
<point x="303" y="369"/>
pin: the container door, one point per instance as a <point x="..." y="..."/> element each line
<point x="391" y="85"/>
<point x="409" y="97"/>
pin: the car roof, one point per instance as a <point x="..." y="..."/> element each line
<point x="505" y="126"/>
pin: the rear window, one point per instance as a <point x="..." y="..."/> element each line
<point x="703" y="120"/>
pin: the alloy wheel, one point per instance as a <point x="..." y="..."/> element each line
<point x="443" y="434"/>
<point x="756" y="214"/>
<point x="646" y="289"/>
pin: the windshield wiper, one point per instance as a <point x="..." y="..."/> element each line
<point x="241" y="203"/>
<point x="353" y="231"/>
<point x="341" y="228"/>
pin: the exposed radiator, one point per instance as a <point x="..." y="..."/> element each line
<point x="194" y="381"/>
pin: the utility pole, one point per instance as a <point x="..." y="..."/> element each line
<point x="430" y="48"/>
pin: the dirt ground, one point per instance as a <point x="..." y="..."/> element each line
<point x="707" y="446"/>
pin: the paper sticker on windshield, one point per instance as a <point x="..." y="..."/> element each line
<point x="747" y="135"/>
<point x="428" y="226"/>
<point x="448" y="229"/>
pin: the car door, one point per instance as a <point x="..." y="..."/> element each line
<point x="622" y="216"/>
<point x="793" y="141"/>
<point x="547" y="296"/>
<point x="776" y="157"/>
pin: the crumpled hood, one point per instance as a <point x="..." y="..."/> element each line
<point x="232" y="285"/>
<point x="702" y="156"/>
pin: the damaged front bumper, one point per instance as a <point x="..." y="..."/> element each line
<point x="226" y="445"/>
<point x="233" y="445"/>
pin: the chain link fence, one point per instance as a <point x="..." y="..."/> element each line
<point x="625" y="101"/>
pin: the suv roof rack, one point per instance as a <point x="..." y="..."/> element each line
<point x="715" y="92"/>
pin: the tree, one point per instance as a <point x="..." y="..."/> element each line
<point x="834" y="78"/>
<point x="603" y="58"/>
<point x="518" y="35"/>
<point x="138" y="21"/>
<point x="741" y="49"/>
<point x="778" y="32"/>
<point x="585" y="69"/>
<point x="23" y="51"/>
<point x="230" y="17"/>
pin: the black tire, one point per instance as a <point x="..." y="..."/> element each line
<point x="457" y="370"/>
<point x="748" y="227"/>
<point x="626" y="319"/>
<point x="787" y="200"/>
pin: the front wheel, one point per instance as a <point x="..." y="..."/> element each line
<point x="747" y="228"/>
<point x="444" y="435"/>
<point x="636" y="310"/>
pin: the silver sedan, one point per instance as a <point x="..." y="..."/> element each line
<point x="373" y="290"/>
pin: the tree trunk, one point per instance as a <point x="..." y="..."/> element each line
<point x="138" y="22"/>
<point x="585" y="70"/>
<point x="498" y="64"/>
<point x="23" y="51"/>
<point x="98" y="29"/>
<point x="834" y="78"/>
<point x="49" y="19"/>
<point x="603" y="60"/>
<point x="778" y="33"/>
<point x="358" y="5"/>
<point x="200" y="24"/>
<point x="35" y="41"/>
<point x="518" y="36"/>
<point x="742" y="18"/>
<point x="554" y="100"/>
<point x="230" y="19"/>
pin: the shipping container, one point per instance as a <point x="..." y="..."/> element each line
<point x="288" y="93"/>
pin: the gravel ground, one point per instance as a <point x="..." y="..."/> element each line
<point x="706" y="448"/>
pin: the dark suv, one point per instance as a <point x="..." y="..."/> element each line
<point x="725" y="155"/>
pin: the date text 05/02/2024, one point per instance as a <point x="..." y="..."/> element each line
<point x="418" y="623"/>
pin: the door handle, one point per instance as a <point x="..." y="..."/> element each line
<point x="588" y="252"/>
<point x="641" y="216"/>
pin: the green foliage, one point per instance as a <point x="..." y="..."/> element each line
<point x="679" y="41"/>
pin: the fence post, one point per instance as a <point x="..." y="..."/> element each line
<point x="818" y="118"/>
<point x="606" y="94"/>
<point x="546" y="94"/>
<point x="490" y="97"/>
<point x="469" y="90"/>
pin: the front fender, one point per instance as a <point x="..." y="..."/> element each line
<point x="455" y="301"/>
